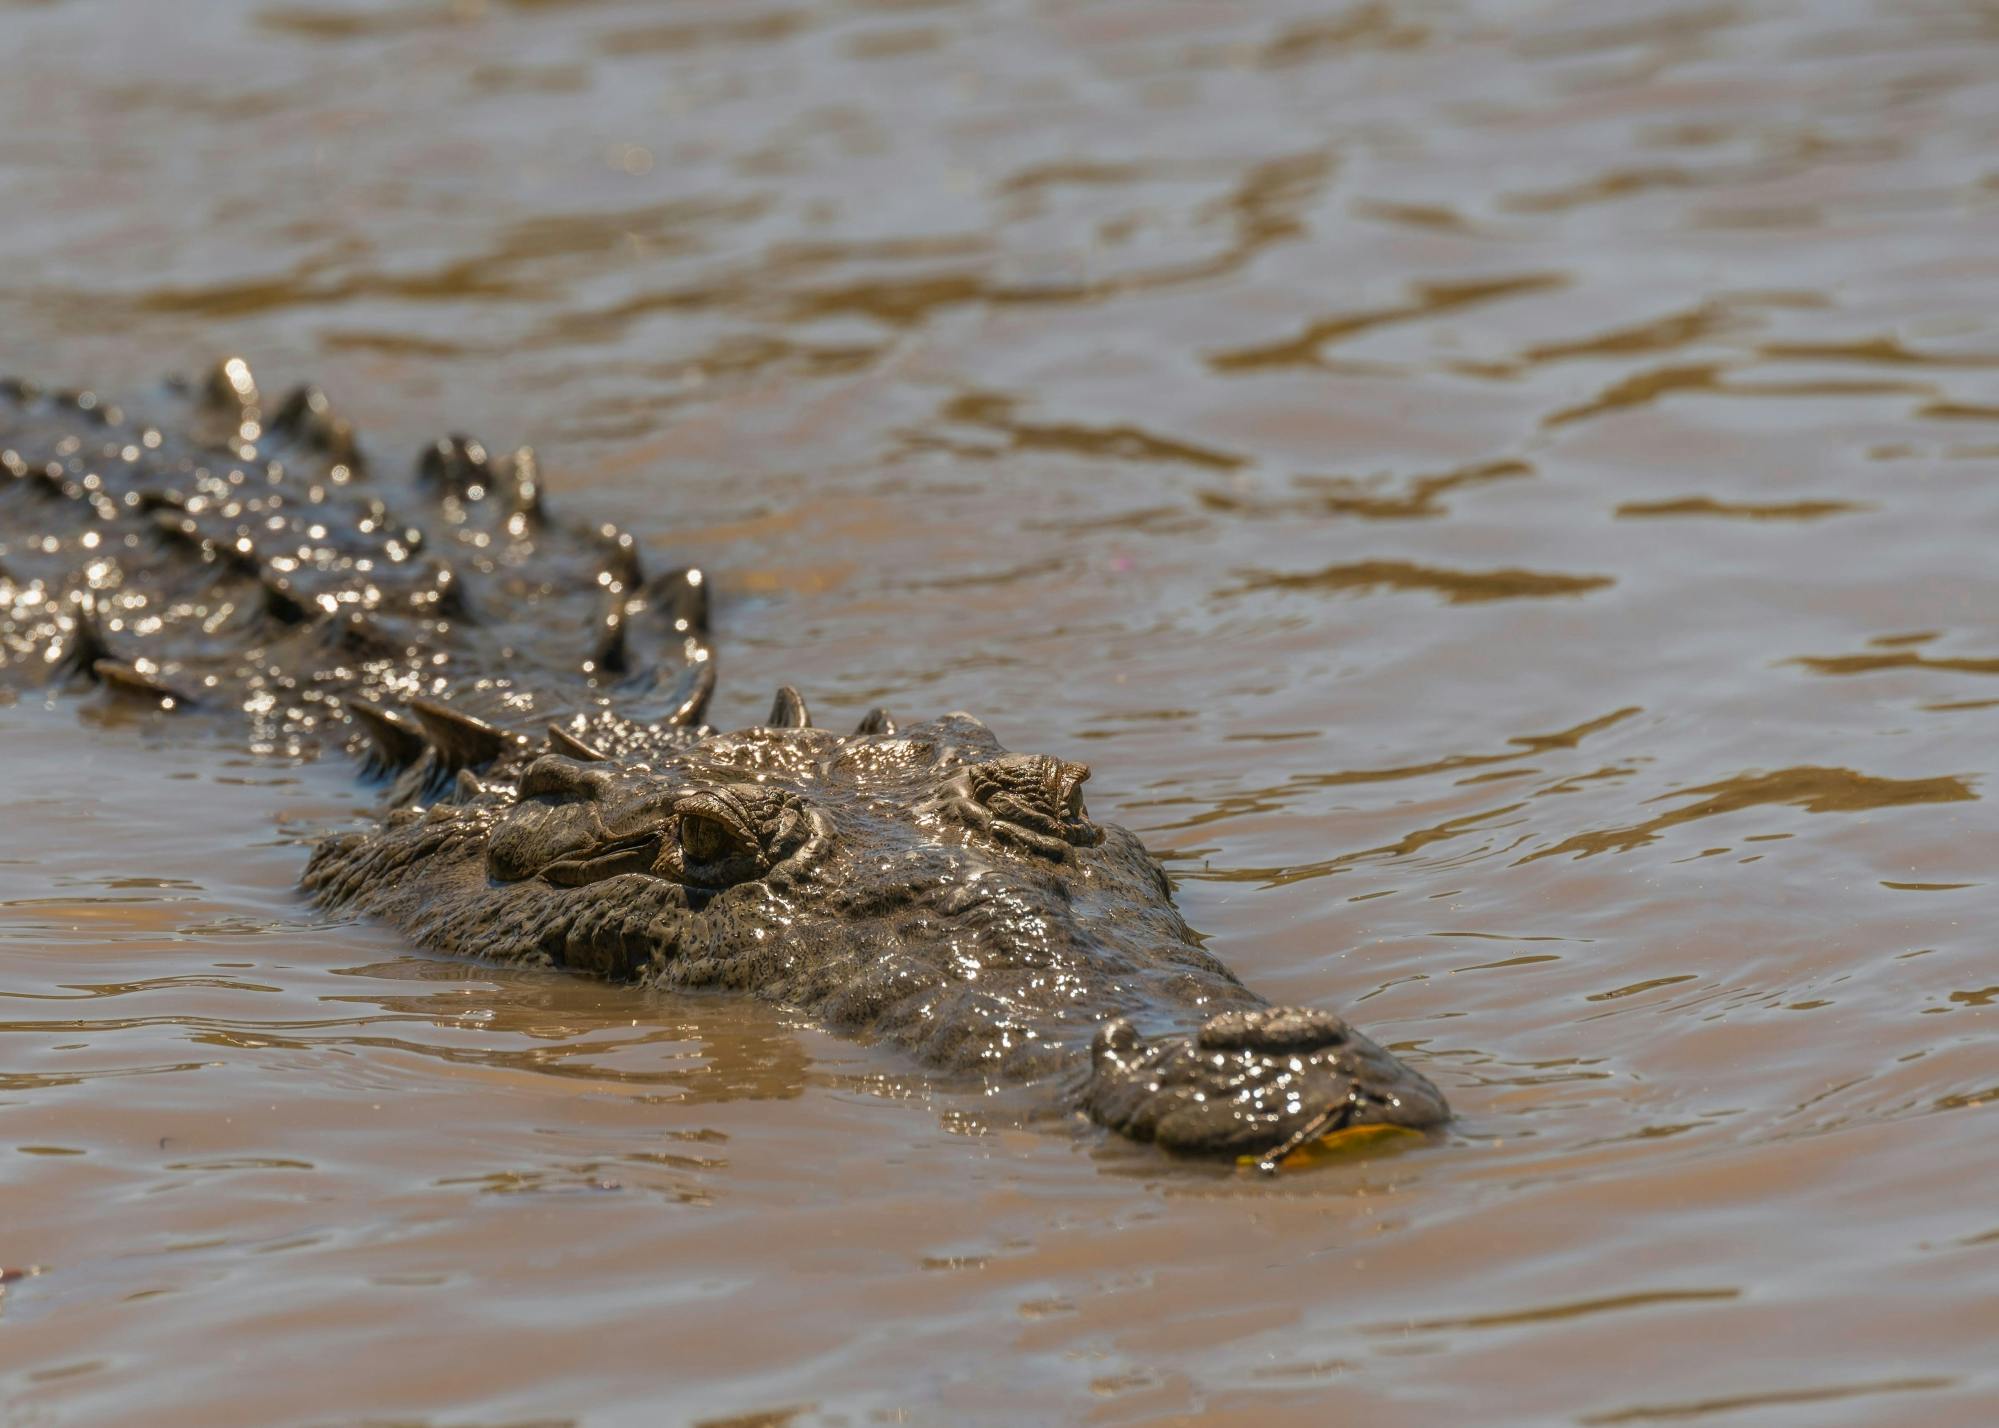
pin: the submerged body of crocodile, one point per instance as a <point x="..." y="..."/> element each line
<point x="535" y="698"/>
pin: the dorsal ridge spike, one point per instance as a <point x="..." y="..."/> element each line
<point x="561" y="741"/>
<point x="357" y="635"/>
<point x="687" y="714"/>
<point x="178" y="533"/>
<point x="528" y="486"/>
<point x="789" y="710"/>
<point x="280" y="602"/>
<point x="621" y="556"/>
<point x="460" y="740"/>
<point x="445" y="594"/>
<point x="83" y="646"/>
<point x="230" y="388"/>
<point x="876" y="721"/>
<point x="395" y="742"/>
<point x="454" y="465"/>
<point x="129" y="679"/>
<point x="683" y="596"/>
<point x="609" y="652"/>
<point x="302" y="406"/>
<point x="306" y="417"/>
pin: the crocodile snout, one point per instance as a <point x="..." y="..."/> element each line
<point x="1251" y="1081"/>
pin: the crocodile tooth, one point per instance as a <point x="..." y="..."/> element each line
<point x="789" y="711"/>
<point x="569" y="746"/>
<point x="876" y="721"/>
<point x="395" y="742"/>
<point x="461" y="741"/>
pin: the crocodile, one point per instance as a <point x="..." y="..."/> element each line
<point x="532" y="696"/>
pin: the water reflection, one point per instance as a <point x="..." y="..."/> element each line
<point x="1429" y="299"/>
<point x="691" y="1050"/>
<point x="1815" y="790"/>
<point x="1458" y="587"/>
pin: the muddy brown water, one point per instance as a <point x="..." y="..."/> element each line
<point x="1503" y="494"/>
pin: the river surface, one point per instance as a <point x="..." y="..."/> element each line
<point x="1503" y="494"/>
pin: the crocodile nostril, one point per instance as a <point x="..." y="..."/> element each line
<point x="1273" y="1031"/>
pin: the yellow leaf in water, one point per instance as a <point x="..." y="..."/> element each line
<point x="1348" y="1144"/>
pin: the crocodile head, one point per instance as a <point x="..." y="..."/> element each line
<point x="927" y="887"/>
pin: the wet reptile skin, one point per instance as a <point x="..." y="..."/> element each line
<point x="532" y="697"/>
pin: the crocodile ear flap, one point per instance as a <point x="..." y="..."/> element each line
<point x="394" y="742"/>
<point x="789" y="711"/>
<point x="876" y="721"/>
<point x="461" y="741"/>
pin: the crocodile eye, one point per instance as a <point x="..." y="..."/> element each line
<point x="704" y="839"/>
<point x="718" y="840"/>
